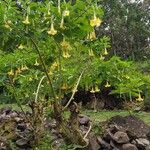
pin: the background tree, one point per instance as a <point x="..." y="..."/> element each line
<point x="127" y="24"/>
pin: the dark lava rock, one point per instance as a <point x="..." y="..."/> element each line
<point x="21" y="127"/>
<point x="134" y="127"/>
<point x="142" y="143"/>
<point x="129" y="146"/>
<point x="93" y="143"/>
<point x="23" y="143"/>
<point x="121" y="137"/>
<point x="103" y="144"/>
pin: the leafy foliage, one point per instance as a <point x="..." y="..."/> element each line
<point x="67" y="42"/>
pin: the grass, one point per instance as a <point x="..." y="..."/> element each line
<point x="105" y="115"/>
<point x="95" y="116"/>
<point x="15" y="107"/>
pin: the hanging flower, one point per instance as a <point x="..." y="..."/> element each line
<point x="52" y="31"/>
<point x="50" y="72"/>
<point x="91" y="36"/>
<point x="64" y="86"/>
<point x="107" y="84"/>
<point x="139" y="99"/>
<point x="25" y="67"/>
<point x="105" y="52"/>
<point x="36" y="63"/>
<point x="92" y="90"/>
<point x="97" y="89"/>
<point x="11" y="73"/>
<point x="65" y="45"/>
<point x="66" y="54"/>
<point x="18" y="71"/>
<point x="95" y="21"/>
<point x="62" y="23"/>
<point x="8" y="24"/>
<point x="26" y="21"/>
<point x="66" y="13"/>
<point x="55" y="64"/>
<point x="59" y="8"/>
<point x="21" y="46"/>
<point x="30" y="79"/>
<point x="102" y="57"/>
<point x="91" y="54"/>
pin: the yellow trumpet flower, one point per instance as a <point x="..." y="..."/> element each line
<point x="26" y="21"/>
<point x="91" y="36"/>
<point x="11" y="73"/>
<point x="102" y="57"/>
<point x="97" y="89"/>
<point x="91" y="54"/>
<point x="107" y="84"/>
<point x="59" y="8"/>
<point x="7" y="24"/>
<point x="65" y="45"/>
<point x="21" y="46"/>
<point x="95" y="21"/>
<point x="62" y="23"/>
<point x="18" y="71"/>
<point x="139" y="99"/>
<point x="30" y="79"/>
<point x="36" y="63"/>
<point x="92" y="90"/>
<point x="66" y="54"/>
<point x="25" y="67"/>
<point x="64" y="86"/>
<point x="105" y="52"/>
<point x="66" y="13"/>
<point x="52" y="31"/>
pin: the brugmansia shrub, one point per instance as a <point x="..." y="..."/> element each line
<point x="51" y="48"/>
<point x="65" y="35"/>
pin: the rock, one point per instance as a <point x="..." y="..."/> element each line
<point x="130" y="124"/>
<point x="21" y="127"/>
<point x="129" y="146"/>
<point x="22" y="143"/>
<point x="84" y="120"/>
<point x="114" y="128"/>
<point x="93" y="143"/>
<point x="147" y="147"/>
<point x="107" y="136"/>
<point x="8" y="110"/>
<point x="114" y="145"/>
<point x="142" y="143"/>
<point x="18" y="119"/>
<point x="121" y="137"/>
<point x="103" y="144"/>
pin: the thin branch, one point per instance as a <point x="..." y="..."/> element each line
<point x="74" y="90"/>
<point x="85" y="136"/>
<point x="38" y="88"/>
<point x="44" y="67"/>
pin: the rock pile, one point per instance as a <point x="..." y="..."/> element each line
<point x="125" y="133"/>
<point x="119" y="133"/>
<point x="14" y="130"/>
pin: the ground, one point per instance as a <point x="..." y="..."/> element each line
<point x="100" y="115"/>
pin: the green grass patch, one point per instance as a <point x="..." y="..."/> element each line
<point x="105" y="115"/>
<point x="98" y="116"/>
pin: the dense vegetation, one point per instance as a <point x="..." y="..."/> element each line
<point x="53" y="49"/>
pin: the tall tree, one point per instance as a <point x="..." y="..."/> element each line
<point x="127" y="23"/>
